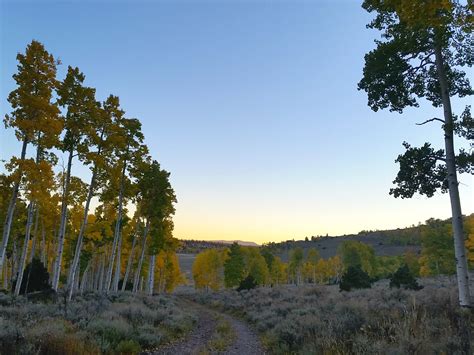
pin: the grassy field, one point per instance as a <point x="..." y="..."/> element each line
<point x="91" y="324"/>
<point x="380" y="320"/>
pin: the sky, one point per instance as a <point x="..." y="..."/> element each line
<point x="251" y="105"/>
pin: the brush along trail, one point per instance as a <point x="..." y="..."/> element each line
<point x="214" y="333"/>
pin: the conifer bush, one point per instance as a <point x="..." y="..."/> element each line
<point x="403" y="277"/>
<point x="247" y="284"/>
<point x="354" y="277"/>
<point x="36" y="276"/>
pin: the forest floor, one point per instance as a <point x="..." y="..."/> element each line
<point x="215" y="332"/>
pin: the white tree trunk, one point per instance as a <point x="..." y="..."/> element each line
<point x="151" y="274"/>
<point x="457" y="222"/>
<point x="80" y="238"/>
<point x="14" y="259"/>
<point x="11" y="209"/>
<point x="21" y="266"/>
<point x="76" y="282"/>
<point x="96" y="271"/>
<point x="85" y="276"/>
<point x="129" y="263"/>
<point x="118" y="225"/>
<point x="33" y="243"/>
<point x="138" y="271"/>
<point x="118" y="264"/>
<point x="5" y="275"/>
<point x="101" y="274"/>
<point x="43" y="245"/>
<point x="62" y="226"/>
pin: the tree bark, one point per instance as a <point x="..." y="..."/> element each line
<point x="151" y="274"/>
<point x="21" y="266"/>
<point x="140" y="261"/>
<point x="129" y="263"/>
<point x="5" y="275"/>
<point x="29" y="223"/>
<point x="118" y="224"/>
<point x="100" y="288"/>
<point x="457" y="221"/>
<point x="14" y="259"/>
<point x="43" y="245"/>
<point x="33" y="244"/>
<point x="85" y="277"/>
<point x="62" y="226"/>
<point x="118" y="265"/>
<point x="80" y="238"/>
<point x="11" y="208"/>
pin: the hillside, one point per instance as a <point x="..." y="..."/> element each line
<point x="385" y="243"/>
<point x="188" y="246"/>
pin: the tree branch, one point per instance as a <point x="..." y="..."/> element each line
<point x="436" y="157"/>
<point x="430" y="120"/>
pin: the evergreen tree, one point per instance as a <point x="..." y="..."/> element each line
<point x="234" y="266"/>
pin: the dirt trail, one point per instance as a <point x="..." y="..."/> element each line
<point x="246" y="341"/>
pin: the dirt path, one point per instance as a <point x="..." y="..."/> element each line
<point x="246" y="341"/>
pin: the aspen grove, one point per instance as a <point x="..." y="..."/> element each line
<point x="109" y="234"/>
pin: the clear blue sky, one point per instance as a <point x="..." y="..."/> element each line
<point x="251" y="105"/>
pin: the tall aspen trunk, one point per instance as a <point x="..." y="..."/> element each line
<point x="11" y="208"/>
<point x="85" y="276"/>
<point x="100" y="288"/>
<point x="118" y="265"/>
<point x="129" y="263"/>
<point x="62" y="225"/>
<point x="32" y="254"/>
<point x="43" y="245"/>
<point x="457" y="222"/>
<point x="118" y="224"/>
<point x="29" y="223"/>
<point x="14" y="259"/>
<point x="95" y="284"/>
<point x="80" y="238"/>
<point x="21" y="266"/>
<point x="5" y="275"/>
<point x="75" y="285"/>
<point x="51" y="246"/>
<point x="151" y="274"/>
<point x="138" y="271"/>
<point x="33" y="243"/>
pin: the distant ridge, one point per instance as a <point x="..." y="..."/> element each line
<point x="188" y="246"/>
<point x="240" y="242"/>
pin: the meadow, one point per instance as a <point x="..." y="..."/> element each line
<point x="91" y="324"/>
<point x="322" y="320"/>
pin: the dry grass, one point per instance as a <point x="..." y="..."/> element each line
<point x="320" y="319"/>
<point x="92" y="324"/>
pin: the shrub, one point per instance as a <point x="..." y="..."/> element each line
<point x="109" y="332"/>
<point x="36" y="276"/>
<point x="148" y="336"/>
<point x="354" y="277"/>
<point x="404" y="277"/>
<point x="128" y="347"/>
<point x="247" y="284"/>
